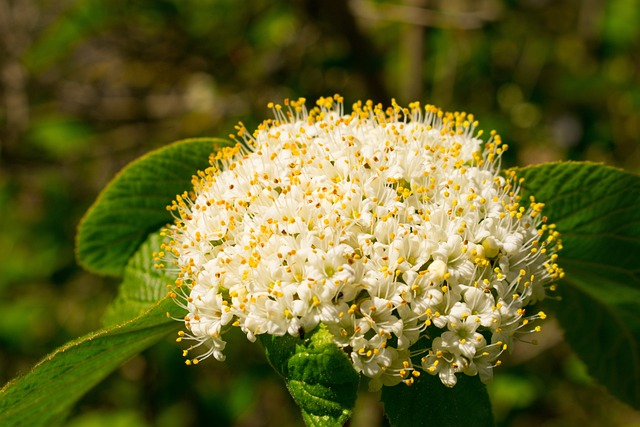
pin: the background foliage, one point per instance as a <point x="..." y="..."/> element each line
<point x="88" y="85"/>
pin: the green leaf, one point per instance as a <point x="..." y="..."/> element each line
<point x="133" y="205"/>
<point x="428" y="402"/>
<point x="597" y="211"/>
<point x="319" y="376"/>
<point x="44" y="395"/>
<point x="142" y="286"/>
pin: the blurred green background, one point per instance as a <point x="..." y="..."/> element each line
<point x="87" y="86"/>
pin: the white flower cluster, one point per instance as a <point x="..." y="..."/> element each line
<point x="392" y="227"/>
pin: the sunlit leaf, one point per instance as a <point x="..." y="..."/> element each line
<point x="597" y="211"/>
<point x="134" y="204"/>
<point x="44" y="395"/>
<point x="143" y="284"/>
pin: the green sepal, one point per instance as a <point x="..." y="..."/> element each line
<point x="318" y="374"/>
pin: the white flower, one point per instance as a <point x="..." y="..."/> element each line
<point x="462" y="338"/>
<point x="485" y="360"/>
<point x="371" y="357"/>
<point x="392" y="227"/>
<point x="444" y="363"/>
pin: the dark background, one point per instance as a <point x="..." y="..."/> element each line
<point x="87" y="86"/>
